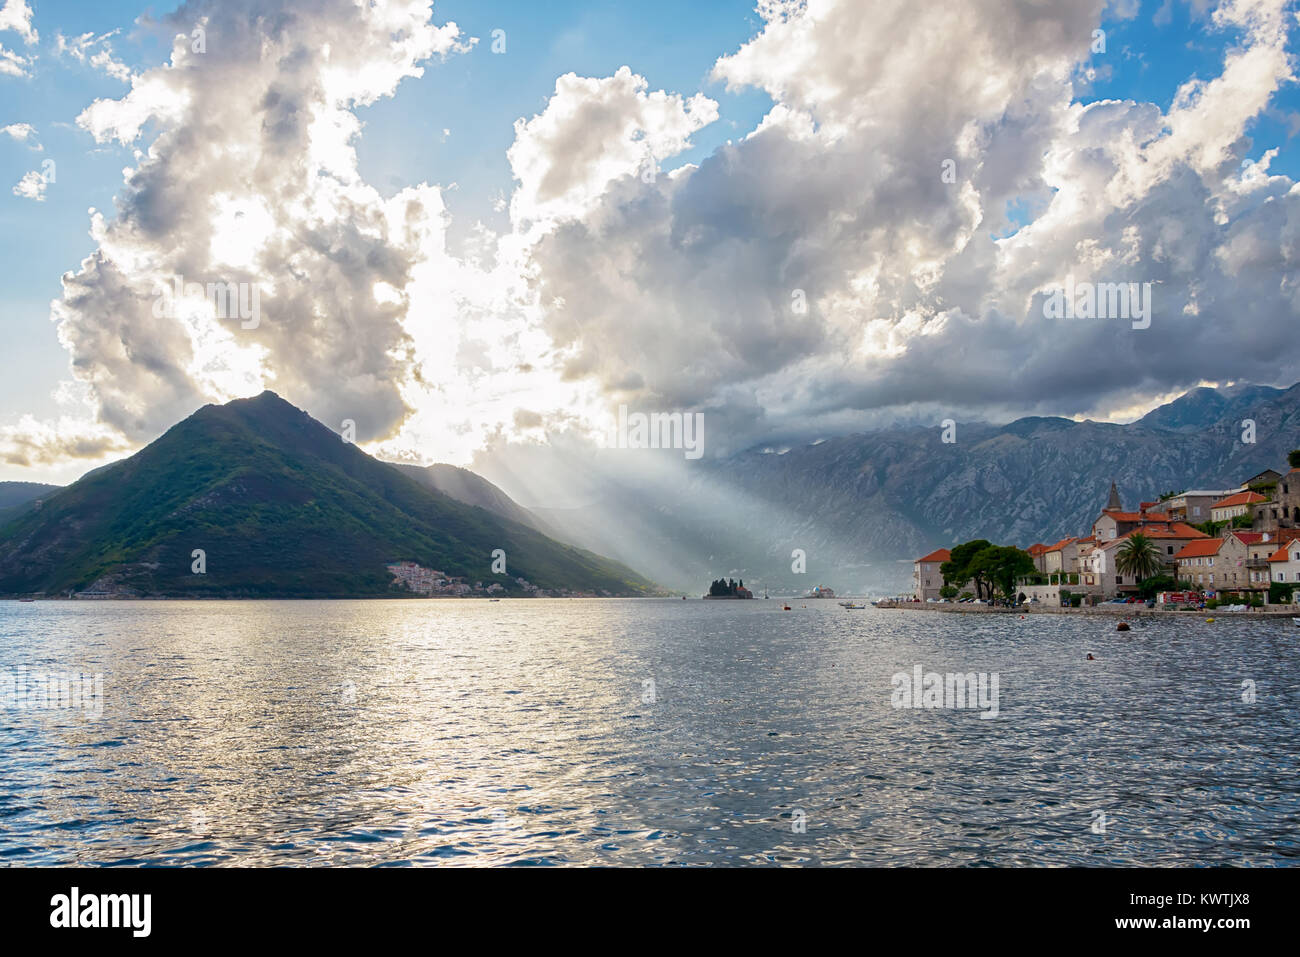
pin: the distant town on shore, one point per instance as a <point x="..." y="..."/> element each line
<point x="1238" y="546"/>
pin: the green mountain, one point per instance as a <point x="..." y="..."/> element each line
<point x="281" y="507"/>
<point x="19" y="497"/>
<point x="472" y="489"/>
<point x="20" y="493"/>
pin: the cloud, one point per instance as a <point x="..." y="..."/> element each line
<point x="31" y="186"/>
<point x="593" y="132"/>
<point x="16" y="17"/>
<point x="11" y="64"/>
<point x="23" y="133"/>
<point x="688" y="291"/>
<point x="95" y="51"/>
<point x="251" y="184"/>
<point x="32" y="443"/>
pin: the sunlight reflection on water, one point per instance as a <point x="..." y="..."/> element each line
<point x="640" y="732"/>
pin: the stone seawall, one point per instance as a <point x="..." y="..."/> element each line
<point x="1275" y="612"/>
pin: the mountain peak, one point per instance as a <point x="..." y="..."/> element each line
<point x="278" y="505"/>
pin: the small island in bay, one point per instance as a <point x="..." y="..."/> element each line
<point x="728" y="588"/>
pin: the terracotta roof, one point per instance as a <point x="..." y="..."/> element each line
<point x="1241" y="498"/>
<point x="1165" y="530"/>
<point x="938" y="555"/>
<point x="1060" y="545"/>
<point x="1281" y="555"/>
<point x="1200" y="549"/>
<point x="1036" y="549"/>
<point x="1137" y="516"/>
<point x="1249" y="538"/>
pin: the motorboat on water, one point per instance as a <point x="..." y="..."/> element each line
<point x="852" y="605"/>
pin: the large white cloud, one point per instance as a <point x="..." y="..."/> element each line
<point x="252" y="179"/>
<point x="682" y="292"/>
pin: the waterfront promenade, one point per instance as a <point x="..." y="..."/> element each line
<point x="1274" y="612"/>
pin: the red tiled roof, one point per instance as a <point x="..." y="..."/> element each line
<point x="1060" y="545"/>
<point x="1165" y="530"/>
<point x="1249" y="538"/>
<point x="938" y="555"/>
<point x="1281" y="555"/>
<point x="1241" y="498"/>
<point x="1138" y="516"/>
<point x="1036" y="549"/>
<point x="1200" y="549"/>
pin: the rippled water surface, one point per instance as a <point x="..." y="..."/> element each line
<point x="520" y="732"/>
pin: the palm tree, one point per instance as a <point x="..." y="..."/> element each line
<point x="1139" y="557"/>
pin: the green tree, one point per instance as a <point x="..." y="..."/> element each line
<point x="1281" y="593"/>
<point x="1153" y="586"/>
<point x="1294" y="459"/>
<point x="956" y="571"/>
<point x="1001" y="566"/>
<point x="1139" y="556"/>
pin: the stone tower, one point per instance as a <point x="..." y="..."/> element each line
<point x="1113" y="503"/>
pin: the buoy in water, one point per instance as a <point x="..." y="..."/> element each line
<point x="1091" y="658"/>
<point x="1209" y="619"/>
<point x="1122" y="626"/>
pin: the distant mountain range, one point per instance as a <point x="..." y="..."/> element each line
<point x="280" y="506"/>
<point x="862" y="507"/>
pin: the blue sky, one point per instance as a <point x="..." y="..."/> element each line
<point x="453" y="126"/>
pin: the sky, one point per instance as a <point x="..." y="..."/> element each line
<point x="471" y="228"/>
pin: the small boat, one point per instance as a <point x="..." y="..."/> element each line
<point x="33" y="599"/>
<point x="785" y="607"/>
<point x="851" y="606"/>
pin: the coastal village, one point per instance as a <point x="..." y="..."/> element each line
<point x="433" y="583"/>
<point x="1238" y="545"/>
